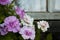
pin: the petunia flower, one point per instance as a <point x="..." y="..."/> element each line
<point x="27" y="20"/>
<point x="5" y="2"/>
<point x="43" y="25"/>
<point x="19" y="12"/>
<point x="12" y="23"/>
<point x="3" y="29"/>
<point x="27" y="32"/>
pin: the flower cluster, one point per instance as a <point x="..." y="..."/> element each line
<point x="13" y="21"/>
<point x="13" y="24"/>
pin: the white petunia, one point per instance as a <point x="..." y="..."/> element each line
<point x="43" y="25"/>
<point x="27" y="20"/>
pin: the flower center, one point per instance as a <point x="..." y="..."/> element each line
<point x="28" y="33"/>
<point x="12" y="24"/>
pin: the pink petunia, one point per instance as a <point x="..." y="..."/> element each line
<point x="3" y="29"/>
<point x="27" y="32"/>
<point x="12" y="23"/>
<point x="20" y="12"/>
<point x="5" y="2"/>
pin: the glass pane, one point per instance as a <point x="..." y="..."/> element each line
<point x="33" y="5"/>
<point x="54" y="5"/>
<point x="57" y="5"/>
<point x="51" y="5"/>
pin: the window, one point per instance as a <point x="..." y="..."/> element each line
<point x="41" y="9"/>
<point x="39" y="5"/>
<point x="33" y="5"/>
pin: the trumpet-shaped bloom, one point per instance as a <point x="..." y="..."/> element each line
<point x="27" y="20"/>
<point x="27" y="32"/>
<point x="12" y="23"/>
<point x="3" y="29"/>
<point x="43" y="25"/>
<point x="5" y="2"/>
<point x="20" y="12"/>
